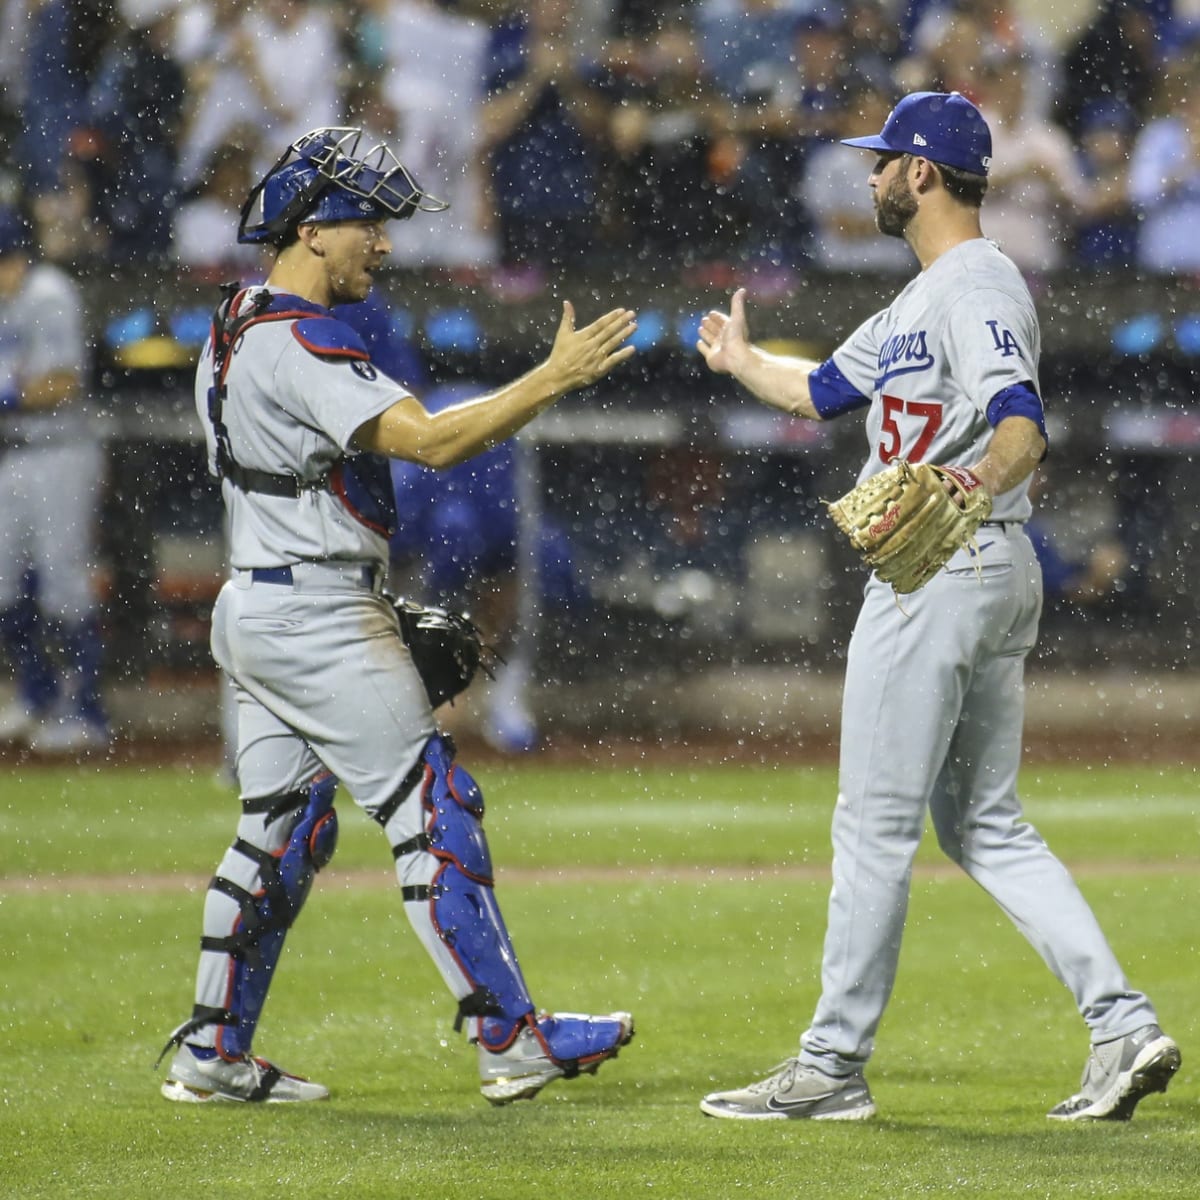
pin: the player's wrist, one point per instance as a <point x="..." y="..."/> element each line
<point x="968" y="479"/>
<point x="553" y="381"/>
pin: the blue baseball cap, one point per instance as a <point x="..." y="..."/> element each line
<point x="14" y="233"/>
<point x="944" y="127"/>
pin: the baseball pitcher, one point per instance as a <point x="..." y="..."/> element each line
<point x="947" y="376"/>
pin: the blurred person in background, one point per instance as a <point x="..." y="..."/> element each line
<point x="134" y="115"/>
<point x="666" y="120"/>
<point x="1082" y="580"/>
<point x="1035" y="186"/>
<point x="472" y="538"/>
<point x="1164" y="176"/>
<point x="844" y="234"/>
<point x="544" y="126"/>
<point x="1069" y="576"/>
<point x="873" y="43"/>
<point x="275" y="69"/>
<point x="784" y="103"/>
<point x="951" y="39"/>
<point x="479" y="541"/>
<point x="1106" y="235"/>
<point x="945" y="52"/>
<point x="63" y="42"/>
<point x="51" y="469"/>
<point x="68" y="219"/>
<point x="206" y="220"/>
<point x="426" y="94"/>
<point x="1115" y="57"/>
<point x="746" y="42"/>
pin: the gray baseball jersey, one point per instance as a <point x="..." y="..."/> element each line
<point x="932" y="361"/>
<point x="293" y="411"/>
<point x="50" y="465"/>
<point x="41" y="331"/>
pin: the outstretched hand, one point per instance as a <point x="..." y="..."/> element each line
<point x="724" y="338"/>
<point x="582" y="356"/>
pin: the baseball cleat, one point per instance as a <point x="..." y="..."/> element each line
<point x="511" y="731"/>
<point x="193" y="1080"/>
<point x="69" y="735"/>
<point x="795" y="1091"/>
<point x="1120" y="1073"/>
<point x="527" y="1056"/>
<point x="17" y="722"/>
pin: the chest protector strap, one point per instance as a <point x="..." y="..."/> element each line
<point x="226" y="330"/>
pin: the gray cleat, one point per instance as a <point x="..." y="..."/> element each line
<point x="1118" y="1074"/>
<point x="794" y="1091"/>
<point x="193" y="1080"/>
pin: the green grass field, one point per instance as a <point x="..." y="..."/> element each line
<point x="694" y="896"/>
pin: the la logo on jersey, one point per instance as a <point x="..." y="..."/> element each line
<point x="1003" y="339"/>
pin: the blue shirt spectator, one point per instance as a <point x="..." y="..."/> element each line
<point x="1107" y="232"/>
<point x="136" y="109"/>
<point x="63" y="39"/>
<point x="747" y="47"/>
<point x="542" y="120"/>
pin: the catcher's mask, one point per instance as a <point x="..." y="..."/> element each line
<point x="323" y="177"/>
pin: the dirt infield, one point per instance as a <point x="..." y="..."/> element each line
<point x="644" y="876"/>
<point x="1091" y="746"/>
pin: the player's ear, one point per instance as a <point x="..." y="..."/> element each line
<point x="310" y="235"/>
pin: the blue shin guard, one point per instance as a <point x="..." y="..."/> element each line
<point x="456" y="913"/>
<point x="232" y="997"/>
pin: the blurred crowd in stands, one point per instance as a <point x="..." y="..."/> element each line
<point x="565" y="132"/>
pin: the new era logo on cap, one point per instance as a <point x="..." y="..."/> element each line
<point x="944" y="126"/>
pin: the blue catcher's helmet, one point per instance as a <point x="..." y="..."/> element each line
<point x="322" y="177"/>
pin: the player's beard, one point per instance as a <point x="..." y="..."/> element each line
<point x="895" y="208"/>
<point x="350" y="288"/>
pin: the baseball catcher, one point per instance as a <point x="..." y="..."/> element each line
<point x="908" y="520"/>
<point x="335" y="685"/>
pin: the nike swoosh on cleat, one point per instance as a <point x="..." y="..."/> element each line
<point x="807" y="1102"/>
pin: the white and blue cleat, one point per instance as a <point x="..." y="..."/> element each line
<point x="517" y="1060"/>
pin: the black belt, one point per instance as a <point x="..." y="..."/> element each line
<point x="281" y="575"/>
<point x="284" y="576"/>
<point x="1005" y="525"/>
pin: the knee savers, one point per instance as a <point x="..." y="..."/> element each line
<point x="234" y="989"/>
<point x="456" y="912"/>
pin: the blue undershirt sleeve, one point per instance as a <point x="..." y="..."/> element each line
<point x="1020" y="400"/>
<point x="832" y="393"/>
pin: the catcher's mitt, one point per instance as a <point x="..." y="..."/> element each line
<point x="907" y="521"/>
<point x="447" y="648"/>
